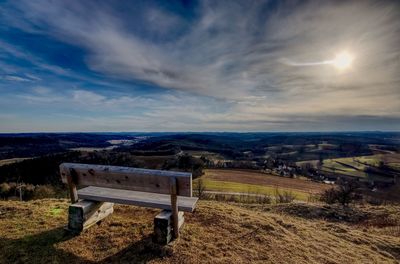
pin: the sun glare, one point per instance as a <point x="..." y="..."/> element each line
<point x="343" y="60"/>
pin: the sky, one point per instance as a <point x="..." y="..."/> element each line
<point x="199" y="66"/>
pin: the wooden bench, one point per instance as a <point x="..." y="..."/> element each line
<point x="105" y="185"/>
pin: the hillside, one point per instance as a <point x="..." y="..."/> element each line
<point x="32" y="232"/>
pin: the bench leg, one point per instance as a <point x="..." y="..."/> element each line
<point x="85" y="213"/>
<point x="163" y="226"/>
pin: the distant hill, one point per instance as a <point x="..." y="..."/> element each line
<point x="37" y="144"/>
<point x="32" y="232"/>
<point x="229" y="144"/>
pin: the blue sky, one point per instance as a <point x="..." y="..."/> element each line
<point x="198" y="65"/>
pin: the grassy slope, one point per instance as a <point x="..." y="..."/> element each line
<point x="31" y="232"/>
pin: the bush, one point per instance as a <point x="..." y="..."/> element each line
<point x="263" y="199"/>
<point x="284" y="197"/>
<point x="4" y="190"/>
<point x="44" y="191"/>
<point x="313" y="198"/>
<point x="344" y="193"/>
<point x="200" y="189"/>
<point x="28" y="192"/>
<point x="13" y="189"/>
<point x="329" y="196"/>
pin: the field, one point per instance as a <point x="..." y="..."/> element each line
<point x="207" y="154"/>
<point x="10" y="161"/>
<point x="355" y="166"/>
<point x="32" y="232"/>
<point x="254" y="182"/>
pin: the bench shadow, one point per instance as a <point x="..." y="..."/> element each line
<point x="41" y="248"/>
<point x="37" y="248"/>
<point x="141" y="251"/>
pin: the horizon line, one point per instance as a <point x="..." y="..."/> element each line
<point x="198" y="132"/>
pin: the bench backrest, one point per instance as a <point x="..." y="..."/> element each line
<point x="126" y="178"/>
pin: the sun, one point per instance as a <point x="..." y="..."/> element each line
<point x="343" y="60"/>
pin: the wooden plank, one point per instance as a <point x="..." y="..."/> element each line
<point x="127" y="178"/>
<point x="174" y="206"/>
<point x="144" y="199"/>
<point x="73" y="195"/>
<point x="84" y="214"/>
<point x="88" y="207"/>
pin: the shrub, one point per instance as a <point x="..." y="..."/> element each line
<point x="284" y="197"/>
<point x="4" y="190"/>
<point x="43" y="191"/>
<point x="313" y="198"/>
<point x="200" y="188"/>
<point x="344" y="193"/>
<point x="263" y="199"/>
<point x="13" y="189"/>
<point x="220" y="197"/>
<point x="329" y="196"/>
<point x="28" y="192"/>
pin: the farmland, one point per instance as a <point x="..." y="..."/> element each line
<point x="256" y="163"/>
<point x="254" y="182"/>
<point x="356" y="166"/>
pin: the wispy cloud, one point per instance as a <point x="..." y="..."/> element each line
<point x="26" y="78"/>
<point x="14" y="78"/>
<point x="234" y="57"/>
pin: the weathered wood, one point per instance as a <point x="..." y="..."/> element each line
<point x="84" y="214"/>
<point x="174" y="206"/>
<point x="111" y="184"/>
<point x="135" y="179"/>
<point x="73" y="194"/>
<point x="144" y="199"/>
<point x="163" y="226"/>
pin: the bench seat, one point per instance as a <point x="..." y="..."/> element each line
<point x="144" y="199"/>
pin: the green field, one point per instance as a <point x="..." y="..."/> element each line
<point x="355" y="166"/>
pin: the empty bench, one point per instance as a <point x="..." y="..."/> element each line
<point x="105" y="185"/>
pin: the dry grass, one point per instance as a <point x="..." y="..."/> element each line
<point x="32" y="232"/>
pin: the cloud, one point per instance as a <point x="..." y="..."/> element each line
<point x="14" y="78"/>
<point x="236" y="58"/>
<point x="7" y="49"/>
<point x="32" y="77"/>
<point x="84" y="100"/>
